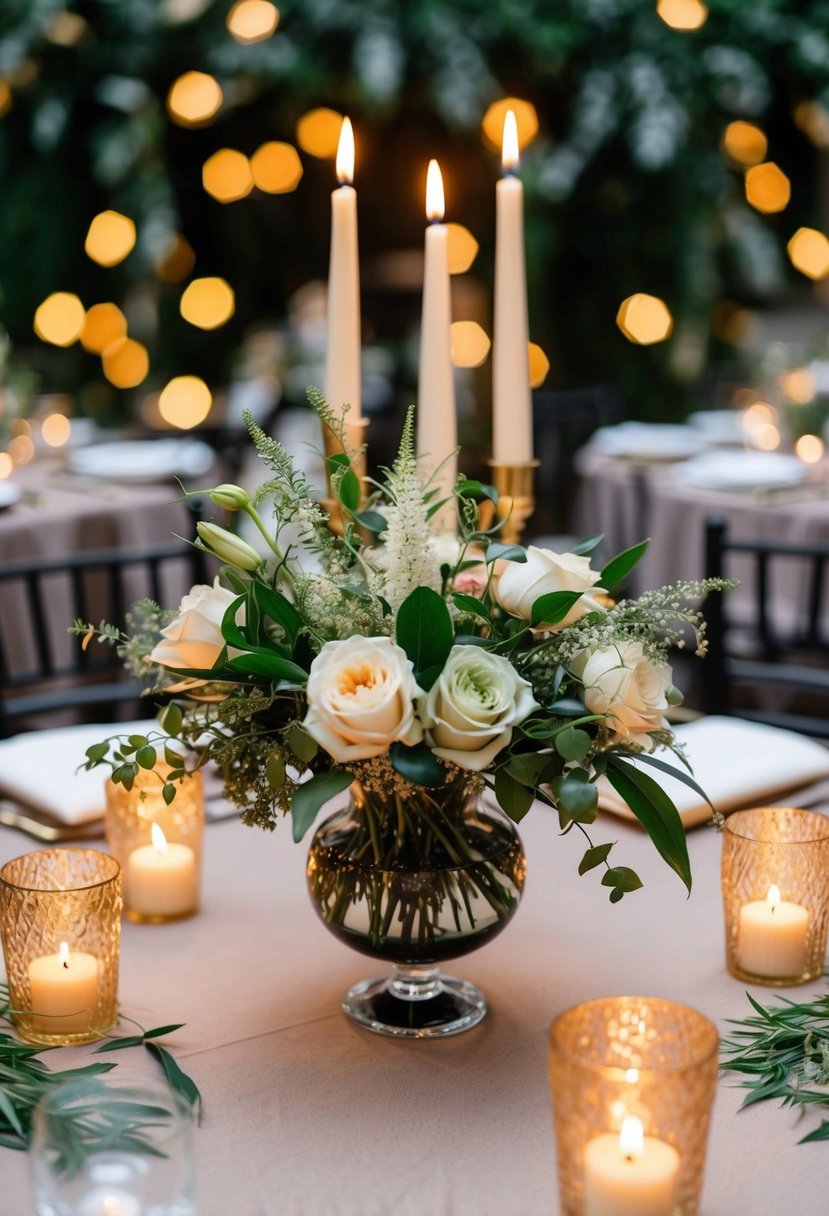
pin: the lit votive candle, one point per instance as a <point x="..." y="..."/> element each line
<point x="772" y="936"/>
<point x="64" y="990"/>
<point x="630" y="1174"/>
<point x="161" y="880"/>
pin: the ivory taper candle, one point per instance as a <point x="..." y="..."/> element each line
<point x="342" y="360"/>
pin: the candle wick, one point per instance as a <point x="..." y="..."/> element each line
<point x="629" y="1157"/>
<point x="510" y="171"/>
<point x="66" y="963"/>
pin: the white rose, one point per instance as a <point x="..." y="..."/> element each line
<point x="471" y="709"/>
<point x="194" y="637"/>
<point x="623" y="682"/>
<point x="544" y="572"/>
<point x="360" y="698"/>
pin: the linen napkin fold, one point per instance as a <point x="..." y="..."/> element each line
<point x="738" y="763"/>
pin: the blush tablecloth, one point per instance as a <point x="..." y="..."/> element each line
<point x="307" y="1115"/>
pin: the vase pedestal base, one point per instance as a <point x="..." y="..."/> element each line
<point x="415" y="1003"/>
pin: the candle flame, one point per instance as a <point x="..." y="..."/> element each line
<point x="773" y="898"/>
<point x="63" y="954"/>
<point x="631" y="1137"/>
<point x="159" y="840"/>
<point x="509" y="144"/>
<point x="435" y="204"/>
<point x="345" y="154"/>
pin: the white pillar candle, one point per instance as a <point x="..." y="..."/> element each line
<point x="161" y="879"/>
<point x="342" y="359"/>
<point x="630" y="1174"/>
<point x="64" y="990"/>
<point x="512" y="416"/>
<point x="771" y="937"/>
<point x="437" y="428"/>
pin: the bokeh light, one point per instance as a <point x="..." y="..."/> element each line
<point x="469" y="342"/>
<point x="185" y="402"/>
<point x="208" y="303"/>
<point x="683" y="14"/>
<point x="813" y="120"/>
<point x="276" y="168"/>
<point x="103" y="325"/>
<point x="66" y="29"/>
<point x="798" y="385"/>
<point x="111" y="237"/>
<point x="809" y="253"/>
<point x="227" y="175"/>
<point x="539" y="365"/>
<point x="5" y="97"/>
<point x="60" y="318"/>
<point x="126" y="363"/>
<point x="766" y="437"/>
<point x="21" y="449"/>
<point x="462" y="248"/>
<point x="55" y="430"/>
<point x="809" y="448"/>
<point x="526" y="118"/>
<point x="6" y="465"/>
<point x="767" y="187"/>
<point x="252" y="20"/>
<point x="318" y="132"/>
<point x="177" y="261"/>
<point x="644" y="319"/>
<point x="194" y="99"/>
<point x="745" y="143"/>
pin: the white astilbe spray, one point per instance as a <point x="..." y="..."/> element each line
<point x="408" y="560"/>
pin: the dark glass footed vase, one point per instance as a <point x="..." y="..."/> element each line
<point x="416" y="878"/>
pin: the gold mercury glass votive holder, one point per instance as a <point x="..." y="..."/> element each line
<point x="775" y="886"/>
<point x="60" y="915"/>
<point x="159" y="846"/>
<point x="632" y="1082"/>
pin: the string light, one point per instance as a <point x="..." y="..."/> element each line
<point x="318" y="132"/>
<point x="194" y="99"/>
<point x="539" y="365"/>
<point x="526" y="119"/>
<point x="227" y="176"/>
<point x="126" y="364"/>
<point x="208" y="303"/>
<point x="103" y="326"/>
<point x="462" y="248"/>
<point x="644" y="319"/>
<point x="809" y="253"/>
<point x="185" y="402"/>
<point x="111" y="237"/>
<point x="252" y="20"/>
<point x="469" y="343"/>
<point x="745" y="143"/>
<point x="276" y="168"/>
<point x="177" y="261"/>
<point x="683" y="14"/>
<point x="767" y="187"/>
<point x="60" y="318"/>
<point x="55" y="430"/>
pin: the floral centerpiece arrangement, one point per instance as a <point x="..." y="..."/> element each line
<point x="420" y="668"/>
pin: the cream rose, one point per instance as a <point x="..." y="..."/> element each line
<point x="623" y="682"/>
<point x="194" y="637"/>
<point x="544" y="572"/>
<point x="361" y="698"/>
<point x="471" y="709"/>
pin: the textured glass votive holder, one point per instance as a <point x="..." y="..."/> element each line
<point x="159" y="846"/>
<point x="775" y="885"/>
<point x="632" y="1082"/>
<point x="60" y="915"/>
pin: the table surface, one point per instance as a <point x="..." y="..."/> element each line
<point x="309" y="1115"/>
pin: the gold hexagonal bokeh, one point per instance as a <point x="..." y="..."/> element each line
<point x="767" y="187"/>
<point x="126" y="363"/>
<point x="539" y="365"/>
<point x="276" y="168"/>
<point x="644" y="319"/>
<point x="469" y="342"/>
<point x="103" y="326"/>
<point x="318" y="132"/>
<point x="809" y="253"/>
<point x="185" y="402"/>
<point x="111" y="238"/>
<point x="227" y="176"/>
<point x="682" y="14"/>
<point x="462" y="248"/>
<point x="194" y="99"/>
<point x="252" y="20"/>
<point x="744" y="143"/>
<point x="526" y="120"/>
<point x="60" y="318"/>
<point x="55" y="430"/>
<point x="208" y="303"/>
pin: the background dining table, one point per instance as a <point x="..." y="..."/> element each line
<point x="307" y="1115"/>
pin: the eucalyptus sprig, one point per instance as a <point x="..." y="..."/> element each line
<point x="783" y="1053"/>
<point x="25" y="1078"/>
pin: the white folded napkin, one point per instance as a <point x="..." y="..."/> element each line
<point x="39" y="769"/>
<point x="738" y="763"/>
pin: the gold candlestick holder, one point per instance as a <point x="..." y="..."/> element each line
<point x="515" y="484"/>
<point x="355" y="447"/>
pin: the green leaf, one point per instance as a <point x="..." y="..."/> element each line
<point x="622" y="878"/>
<point x="158" y="1031"/>
<point x="348" y="490"/>
<point x="8" y="1110"/>
<point x="594" y="857"/>
<point x="526" y="768"/>
<point x="578" y="798"/>
<point x="470" y="488"/>
<point x="274" y="605"/>
<point x="568" y="707"/>
<point x="97" y="751"/>
<point x="418" y="764"/>
<point x="171" y="719"/>
<point x="615" y="895"/>
<point x="505" y="553"/>
<point x="514" y="798"/>
<point x="311" y="795"/>
<point x="127" y="1040"/>
<point x="137" y="741"/>
<point x="819" y="1133"/>
<point x="372" y="521"/>
<point x="585" y="547"/>
<point x="552" y="608"/>
<point x="168" y="793"/>
<point x="301" y="743"/>
<point x="275" y="771"/>
<point x="675" y="772"/>
<point x="655" y="811"/>
<point x="471" y="604"/>
<point x="620" y="566"/>
<point x="572" y="744"/>
<point x="146" y="757"/>
<point x="179" y="1080"/>
<point x="424" y="631"/>
<point x="269" y="665"/>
